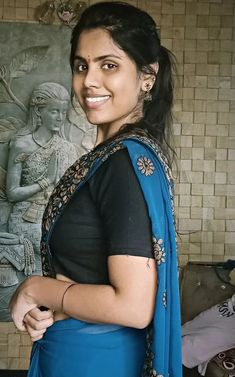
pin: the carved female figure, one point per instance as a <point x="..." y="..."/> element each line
<point x="39" y="155"/>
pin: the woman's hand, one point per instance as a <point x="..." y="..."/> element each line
<point x="22" y="302"/>
<point x="37" y="321"/>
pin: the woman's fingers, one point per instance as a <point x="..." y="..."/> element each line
<point x="39" y="320"/>
<point x="35" y="334"/>
<point x="39" y="314"/>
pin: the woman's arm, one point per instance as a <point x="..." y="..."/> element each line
<point x="129" y="300"/>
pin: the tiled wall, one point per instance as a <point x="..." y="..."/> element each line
<point x="202" y="36"/>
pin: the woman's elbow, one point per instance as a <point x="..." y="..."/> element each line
<point x="142" y="318"/>
<point x="12" y="196"/>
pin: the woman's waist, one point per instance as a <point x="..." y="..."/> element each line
<point x="78" y="326"/>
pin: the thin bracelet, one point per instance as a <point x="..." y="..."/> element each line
<point x="62" y="300"/>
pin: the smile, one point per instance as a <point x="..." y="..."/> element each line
<point x="96" y="99"/>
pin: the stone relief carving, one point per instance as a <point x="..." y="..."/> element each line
<point x="38" y="142"/>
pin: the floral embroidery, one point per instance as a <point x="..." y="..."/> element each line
<point x="164" y="299"/>
<point x="159" y="251"/>
<point x="145" y="165"/>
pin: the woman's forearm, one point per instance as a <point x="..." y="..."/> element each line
<point x="93" y="303"/>
<point x="19" y="194"/>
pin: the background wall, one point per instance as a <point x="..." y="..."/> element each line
<point x="202" y="36"/>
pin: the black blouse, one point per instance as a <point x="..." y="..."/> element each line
<point x="107" y="216"/>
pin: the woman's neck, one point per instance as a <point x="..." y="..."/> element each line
<point x="41" y="136"/>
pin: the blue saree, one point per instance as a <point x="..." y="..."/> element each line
<point x="153" y="352"/>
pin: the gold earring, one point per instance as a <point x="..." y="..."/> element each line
<point x="148" y="95"/>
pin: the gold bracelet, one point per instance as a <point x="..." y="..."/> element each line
<point x="62" y="300"/>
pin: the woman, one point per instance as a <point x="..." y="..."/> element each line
<point x="39" y="156"/>
<point x="109" y="222"/>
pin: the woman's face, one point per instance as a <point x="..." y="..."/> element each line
<point x="106" y="82"/>
<point x="53" y="115"/>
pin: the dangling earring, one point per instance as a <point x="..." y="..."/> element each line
<point x="39" y="121"/>
<point x="148" y="95"/>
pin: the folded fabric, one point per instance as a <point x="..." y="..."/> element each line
<point x="211" y="332"/>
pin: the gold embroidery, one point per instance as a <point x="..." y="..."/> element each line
<point x="159" y="251"/>
<point x="145" y="165"/>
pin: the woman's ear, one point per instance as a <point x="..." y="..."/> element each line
<point x="37" y="111"/>
<point x="148" y="79"/>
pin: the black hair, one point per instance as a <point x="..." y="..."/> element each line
<point x="135" y="32"/>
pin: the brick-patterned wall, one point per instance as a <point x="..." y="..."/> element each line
<point x="202" y="36"/>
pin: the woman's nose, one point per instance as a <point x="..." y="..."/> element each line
<point x="60" y="115"/>
<point x="92" y="78"/>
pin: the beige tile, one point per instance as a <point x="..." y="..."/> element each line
<point x="3" y="351"/>
<point x="230" y="202"/>
<point x="226" y="8"/>
<point x="3" y="363"/>
<point x="227" y="21"/>
<point x="214" y="201"/>
<point x="183" y="212"/>
<point x="190" y="225"/>
<point x="230" y="224"/>
<point x="188" y="93"/>
<point x="9" y="13"/>
<point x="196" y="201"/>
<point x="225" y="190"/>
<point x="186" y="165"/>
<point x="217" y="130"/>
<point x="229" y="251"/>
<point x="199" y="237"/>
<point x="191" y="177"/>
<point x="214" y="225"/>
<point x="219" y="237"/>
<point x="209" y="166"/>
<point x="194" y="248"/>
<point x="225" y="213"/>
<point x="182" y="188"/>
<point x="13" y="363"/>
<point x="202" y="189"/>
<point x="186" y="153"/>
<point x="203" y="21"/>
<point x="200" y="105"/>
<point x="230" y="237"/>
<point x="13" y="351"/>
<point x="214" y="20"/>
<point x="221" y="106"/>
<point x="24" y="363"/>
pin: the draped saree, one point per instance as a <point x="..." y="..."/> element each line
<point x="152" y="352"/>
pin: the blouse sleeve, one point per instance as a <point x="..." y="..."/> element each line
<point x="120" y="202"/>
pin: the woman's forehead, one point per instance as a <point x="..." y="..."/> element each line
<point x="96" y="43"/>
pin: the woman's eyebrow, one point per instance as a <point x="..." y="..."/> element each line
<point x="98" y="58"/>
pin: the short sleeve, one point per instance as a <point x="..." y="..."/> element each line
<point x="122" y="208"/>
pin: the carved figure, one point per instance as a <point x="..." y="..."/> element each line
<point x="38" y="157"/>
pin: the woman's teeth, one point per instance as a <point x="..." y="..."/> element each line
<point x="96" y="99"/>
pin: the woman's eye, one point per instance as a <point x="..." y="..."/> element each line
<point x="79" y="68"/>
<point x="109" y="66"/>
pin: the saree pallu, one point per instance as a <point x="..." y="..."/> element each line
<point x="163" y="352"/>
<point x="73" y="348"/>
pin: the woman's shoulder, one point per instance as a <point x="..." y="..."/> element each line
<point x="21" y="143"/>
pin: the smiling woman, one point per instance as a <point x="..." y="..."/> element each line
<point x="106" y="83"/>
<point x="108" y="238"/>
